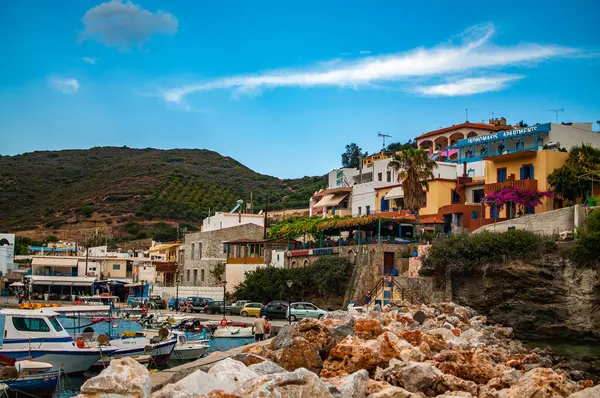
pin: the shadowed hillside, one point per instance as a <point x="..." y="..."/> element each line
<point x="109" y="184"/>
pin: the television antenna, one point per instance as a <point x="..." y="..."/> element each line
<point x="383" y="136"/>
<point x="556" y="112"/>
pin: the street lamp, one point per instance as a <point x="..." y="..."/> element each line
<point x="289" y="284"/>
<point x="224" y="295"/>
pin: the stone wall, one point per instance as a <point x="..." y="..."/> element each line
<point x="549" y="223"/>
<point x="213" y="292"/>
<point x="207" y="248"/>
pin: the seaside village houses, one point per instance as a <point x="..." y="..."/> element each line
<point x="473" y="159"/>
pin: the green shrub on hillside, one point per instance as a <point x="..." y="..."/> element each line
<point x="478" y="252"/>
<point x="327" y="277"/>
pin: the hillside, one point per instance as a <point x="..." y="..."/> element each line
<point x="106" y="185"/>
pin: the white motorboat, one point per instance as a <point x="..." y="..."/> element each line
<point x="29" y="377"/>
<point x="233" y="332"/>
<point x="39" y="335"/>
<point x="186" y="350"/>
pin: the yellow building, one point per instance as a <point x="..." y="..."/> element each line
<point x="166" y="258"/>
<point x="391" y="198"/>
<point x="526" y="170"/>
<point x="369" y="160"/>
<point x="118" y="268"/>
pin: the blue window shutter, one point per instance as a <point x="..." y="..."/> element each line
<point x="474" y="215"/>
<point x="522" y="173"/>
<point x="531" y="172"/>
<point x="530" y="210"/>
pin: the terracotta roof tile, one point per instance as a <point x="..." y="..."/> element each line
<point x="466" y="124"/>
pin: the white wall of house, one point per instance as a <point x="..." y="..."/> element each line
<point x="569" y="136"/>
<point x="476" y="170"/>
<point x="341" y="178"/>
<point x="222" y="220"/>
<point x="278" y="258"/>
<point x="7" y="252"/>
<point x="213" y="292"/>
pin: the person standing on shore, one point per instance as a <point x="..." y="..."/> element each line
<point x="258" y="328"/>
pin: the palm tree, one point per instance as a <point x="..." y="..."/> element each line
<point x="414" y="168"/>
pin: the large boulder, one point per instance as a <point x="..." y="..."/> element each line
<point x="419" y="376"/>
<point x="592" y="392"/>
<point x="343" y="316"/>
<point x="266" y="368"/>
<point x="351" y="386"/>
<point x="389" y="346"/>
<point x="231" y="371"/>
<point x="300" y="383"/>
<point x="367" y="328"/>
<point x="124" y="377"/>
<point x="541" y="383"/>
<point x="394" y="392"/>
<point x="248" y="359"/>
<point x="446" y="383"/>
<point x="348" y="356"/>
<point x="319" y="335"/>
<point x="299" y="354"/>
<point x="260" y="350"/>
<point x="475" y="365"/>
<point x="340" y="332"/>
<point x="193" y="385"/>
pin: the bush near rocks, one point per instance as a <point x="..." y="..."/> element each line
<point x="395" y="358"/>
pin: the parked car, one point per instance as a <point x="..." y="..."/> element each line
<point x="174" y="303"/>
<point x="216" y="307"/>
<point x="304" y="310"/>
<point x="157" y="302"/>
<point x="199" y="303"/>
<point x="237" y="307"/>
<point x="275" y="309"/>
<point x="251" y="309"/>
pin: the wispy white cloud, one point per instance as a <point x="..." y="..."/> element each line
<point x="473" y="53"/>
<point x="467" y="86"/>
<point x="65" y="86"/>
<point x="90" y="60"/>
<point x="122" y="24"/>
<point x="364" y="52"/>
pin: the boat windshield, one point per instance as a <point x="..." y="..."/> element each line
<point x="56" y="324"/>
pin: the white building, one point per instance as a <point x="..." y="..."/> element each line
<point x="7" y="252"/>
<point x="222" y="220"/>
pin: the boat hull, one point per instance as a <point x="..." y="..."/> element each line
<point x="40" y="385"/>
<point x="233" y="332"/>
<point x="161" y="351"/>
<point x="183" y="353"/>
<point x="70" y="362"/>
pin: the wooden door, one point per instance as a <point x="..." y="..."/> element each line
<point x="388" y="262"/>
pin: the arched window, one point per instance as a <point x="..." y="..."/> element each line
<point x="192" y="251"/>
<point x="199" y="250"/>
<point x="305" y="263"/>
<point x="293" y="264"/>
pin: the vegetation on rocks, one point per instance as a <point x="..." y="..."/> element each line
<point x="586" y="249"/>
<point x="327" y="277"/>
<point x="478" y="252"/>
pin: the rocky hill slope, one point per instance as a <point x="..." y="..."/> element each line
<point x="118" y="185"/>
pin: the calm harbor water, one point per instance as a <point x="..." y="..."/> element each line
<point x="571" y="349"/>
<point x="72" y="385"/>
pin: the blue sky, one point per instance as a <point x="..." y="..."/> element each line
<point x="282" y="86"/>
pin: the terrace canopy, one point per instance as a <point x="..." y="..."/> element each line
<point x="331" y="200"/>
<point x="395" y="193"/>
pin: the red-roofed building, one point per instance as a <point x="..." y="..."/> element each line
<point x="437" y="140"/>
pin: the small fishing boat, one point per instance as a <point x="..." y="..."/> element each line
<point x="233" y="332"/>
<point x="185" y="349"/>
<point x="28" y="377"/>
<point x="39" y="335"/>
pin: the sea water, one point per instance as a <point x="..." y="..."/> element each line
<point x="71" y="385"/>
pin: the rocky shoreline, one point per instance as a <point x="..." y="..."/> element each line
<point x="402" y="351"/>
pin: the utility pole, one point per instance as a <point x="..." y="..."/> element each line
<point x="265" y="222"/>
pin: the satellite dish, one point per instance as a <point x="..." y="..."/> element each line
<point x="103" y="339"/>
<point x="163" y="333"/>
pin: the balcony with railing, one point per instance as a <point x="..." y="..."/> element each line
<point x="528" y="184"/>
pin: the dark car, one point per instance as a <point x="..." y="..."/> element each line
<point x="216" y="307"/>
<point x="157" y="302"/>
<point x="199" y="303"/>
<point x="274" y="310"/>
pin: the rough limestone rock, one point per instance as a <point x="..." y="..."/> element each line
<point x="193" y="385"/>
<point x="300" y="383"/>
<point x="124" y="377"/>
<point x="300" y="354"/>
<point x="592" y="392"/>
<point x="541" y="383"/>
<point x="414" y="337"/>
<point x="284" y="337"/>
<point x="446" y="334"/>
<point x="394" y="392"/>
<point x="503" y="332"/>
<point x="232" y="371"/>
<point x="419" y="376"/>
<point x="319" y="335"/>
<point x="375" y="386"/>
<point x="390" y="346"/>
<point x="266" y="368"/>
<point x="367" y="328"/>
<point x="446" y="383"/>
<point x="435" y="342"/>
<point x="348" y="356"/>
<point x="342" y="316"/>
<point x="248" y="359"/>
<point x="340" y="332"/>
<point x="262" y="351"/>
<point x="351" y="386"/>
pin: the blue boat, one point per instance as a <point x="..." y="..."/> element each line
<point x="39" y="385"/>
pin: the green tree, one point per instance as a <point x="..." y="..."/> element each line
<point x="351" y="157"/>
<point x="414" y="168"/>
<point x="52" y="239"/>
<point x="576" y="177"/>
<point x="399" y="147"/>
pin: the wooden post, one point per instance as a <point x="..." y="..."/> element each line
<point x="379" y="231"/>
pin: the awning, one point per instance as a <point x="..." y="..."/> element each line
<point x="62" y="280"/>
<point x="396" y="192"/>
<point x="54" y="262"/>
<point x="331" y="200"/>
<point x="448" y="153"/>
